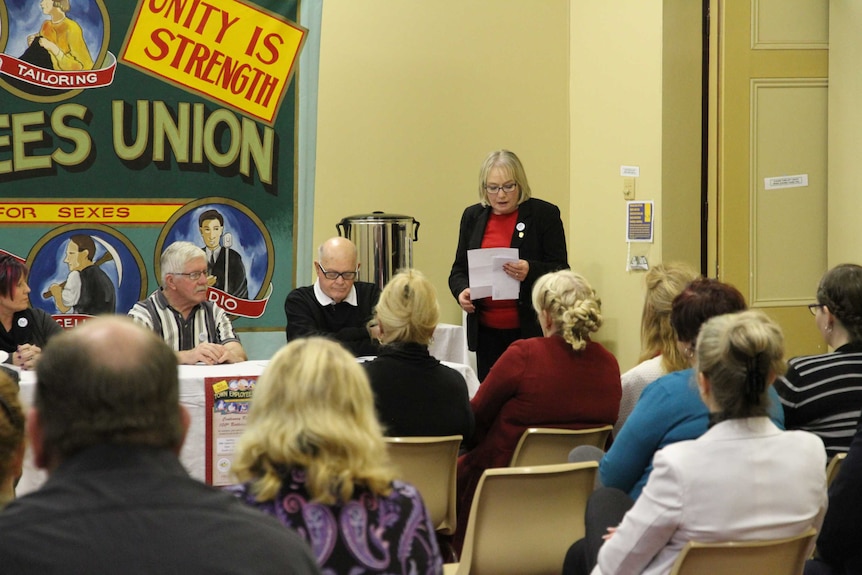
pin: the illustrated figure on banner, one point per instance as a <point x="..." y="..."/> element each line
<point x="62" y="38"/>
<point x="225" y="269"/>
<point x="87" y="290"/>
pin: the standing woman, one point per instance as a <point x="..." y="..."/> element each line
<point x="506" y="216"/>
<point x="823" y="393"/>
<point x="23" y="330"/>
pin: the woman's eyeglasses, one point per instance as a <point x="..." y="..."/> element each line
<point x="813" y="307"/>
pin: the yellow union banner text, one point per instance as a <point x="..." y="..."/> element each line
<point x="231" y="52"/>
<point x="93" y="212"/>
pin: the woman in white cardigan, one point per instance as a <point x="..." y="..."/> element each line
<point x="744" y="479"/>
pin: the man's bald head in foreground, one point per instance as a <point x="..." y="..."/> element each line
<point x="108" y="381"/>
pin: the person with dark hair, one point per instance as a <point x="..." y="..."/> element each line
<point x="669" y="409"/>
<point x="336" y="305"/>
<point x="107" y="426"/>
<point x="742" y="480"/>
<point x="507" y="216"/>
<point x="11" y="439"/>
<point x="823" y="393"/>
<point x="24" y="331"/>
<point x="838" y="549"/>
<point x="87" y="290"/>
<point x="225" y="270"/>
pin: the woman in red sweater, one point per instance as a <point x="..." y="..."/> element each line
<point x="562" y="379"/>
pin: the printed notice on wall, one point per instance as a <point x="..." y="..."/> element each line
<point x="639" y="221"/>
<point x="228" y="401"/>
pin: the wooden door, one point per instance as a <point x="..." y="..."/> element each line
<point x="768" y="111"/>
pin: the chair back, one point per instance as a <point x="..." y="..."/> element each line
<point x="776" y="557"/>
<point x="430" y="464"/>
<point x="833" y="467"/>
<point x="523" y="519"/>
<point x="545" y="445"/>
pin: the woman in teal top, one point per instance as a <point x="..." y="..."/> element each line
<point x="670" y="408"/>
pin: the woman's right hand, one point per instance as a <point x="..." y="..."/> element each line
<point x="465" y="302"/>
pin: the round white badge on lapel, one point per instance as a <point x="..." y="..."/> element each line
<point x="22" y="322"/>
<point x="520" y="227"/>
<point x="202" y="337"/>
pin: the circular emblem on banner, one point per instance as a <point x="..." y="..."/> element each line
<point x="53" y="50"/>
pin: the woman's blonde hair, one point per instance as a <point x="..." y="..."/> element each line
<point x="740" y="354"/>
<point x="572" y="304"/>
<point x="407" y="309"/>
<point x="663" y="283"/>
<point x="511" y="166"/>
<point x="11" y="425"/>
<point x="313" y="409"/>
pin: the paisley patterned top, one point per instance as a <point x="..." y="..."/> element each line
<point x="386" y="535"/>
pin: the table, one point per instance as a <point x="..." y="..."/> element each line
<point x="192" y="397"/>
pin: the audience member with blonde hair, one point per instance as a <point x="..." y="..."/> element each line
<point x="659" y="353"/>
<point x="563" y="379"/>
<point x="313" y="456"/>
<point x="743" y="480"/>
<point x="413" y="392"/>
<point x="11" y="438"/>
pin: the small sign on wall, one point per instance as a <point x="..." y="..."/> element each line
<point x="639" y="221"/>
<point x="781" y="182"/>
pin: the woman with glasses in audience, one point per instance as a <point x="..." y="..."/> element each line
<point x="11" y="438"/>
<point x="313" y="456"/>
<point x="506" y="217"/>
<point x="24" y="331"/>
<point x="414" y="393"/>
<point x="743" y="480"/>
<point x="563" y="380"/>
<point x="823" y="393"/>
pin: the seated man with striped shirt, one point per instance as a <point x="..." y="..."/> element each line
<point x="197" y="330"/>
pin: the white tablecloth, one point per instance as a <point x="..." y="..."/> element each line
<point x="193" y="398"/>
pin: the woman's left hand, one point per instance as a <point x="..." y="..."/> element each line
<point x="517" y="270"/>
<point x="26" y="356"/>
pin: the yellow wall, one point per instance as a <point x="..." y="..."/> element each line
<point x="844" y="242"/>
<point x="413" y="95"/>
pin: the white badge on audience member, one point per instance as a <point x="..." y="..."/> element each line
<point x="202" y="337"/>
<point x="22" y="322"/>
<point x="520" y="227"/>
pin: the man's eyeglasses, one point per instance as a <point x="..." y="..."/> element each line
<point x="508" y="188"/>
<point x="334" y="275"/>
<point x="194" y="276"/>
<point x="813" y="307"/>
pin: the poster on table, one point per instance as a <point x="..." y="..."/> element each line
<point x="227" y="403"/>
<point x="126" y="126"/>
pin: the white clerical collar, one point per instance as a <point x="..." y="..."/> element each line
<point x="324" y="299"/>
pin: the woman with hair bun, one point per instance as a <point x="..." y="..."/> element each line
<point x="823" y="393"/>
<point x="743" y="480"/>
<point x="563" y="379"/>
<point x="413" y="392"/>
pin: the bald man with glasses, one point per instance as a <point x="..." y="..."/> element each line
<point x="336" y="305"/>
